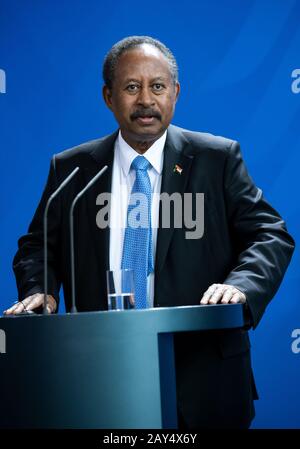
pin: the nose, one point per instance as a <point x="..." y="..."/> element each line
<point x="145" y="98"/>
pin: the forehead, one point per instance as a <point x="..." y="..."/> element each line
<point x="142" y="61"/>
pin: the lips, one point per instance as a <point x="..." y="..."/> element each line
<point x="145" y="120"/>
<point x="145" y="117"/>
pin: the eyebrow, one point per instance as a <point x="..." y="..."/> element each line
<point x="157" y="78"/>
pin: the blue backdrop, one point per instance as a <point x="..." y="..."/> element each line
<point x="238" y="65"/>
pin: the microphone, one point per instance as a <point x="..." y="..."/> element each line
<point x="71" y="218"/>
<point x="51" y="198"/>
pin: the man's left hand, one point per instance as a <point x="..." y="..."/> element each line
<point x="223" y="294"/>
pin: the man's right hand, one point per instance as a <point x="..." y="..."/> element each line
<point x="30" y="303"/>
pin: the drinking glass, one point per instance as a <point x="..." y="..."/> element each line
<point x="120" y="289"/>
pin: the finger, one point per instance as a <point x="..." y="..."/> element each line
<point x="206" y="296"/>
<point x="29" y="303"/>
<point x="37" y="300"/>
<point x="10" y="310"/>
<point x="204" y="299"/>
<point x="21" y="307"/>
<point x="227" y="295"/>
<point x="34" y="301"/>
<point x="237" y="297"/>
<point x="217" y="295"/>
<point x="16" y="308"/>
<point x="49" y="309"/>
<point x="52" y="304"/>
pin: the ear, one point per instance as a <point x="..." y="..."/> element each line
<point x="177" y="90"/>
<point x="106" y="92"/>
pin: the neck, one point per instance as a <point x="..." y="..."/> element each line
<point x="140" y="146"/>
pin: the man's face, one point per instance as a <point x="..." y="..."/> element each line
<point x="143" y="94"/>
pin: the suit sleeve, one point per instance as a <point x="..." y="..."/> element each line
<point x="28" y="263"/>
<point x="264" y="245"/>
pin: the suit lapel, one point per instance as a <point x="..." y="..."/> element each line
<point x="103" y="154"/>
<point x="176" y="153"/>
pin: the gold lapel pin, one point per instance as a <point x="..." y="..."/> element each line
<point x="177" y="169"/>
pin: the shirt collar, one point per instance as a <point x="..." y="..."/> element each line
<point x="154" y="154"/>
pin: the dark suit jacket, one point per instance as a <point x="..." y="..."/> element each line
<point x="245" y="244"/>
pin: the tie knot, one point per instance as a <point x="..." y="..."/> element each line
<point x="140" y="163"/>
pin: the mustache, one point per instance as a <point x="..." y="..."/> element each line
<point x="145" y="113"/>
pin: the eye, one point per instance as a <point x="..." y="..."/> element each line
<point x="132" y="87"/>
<point x="158" y="87"/>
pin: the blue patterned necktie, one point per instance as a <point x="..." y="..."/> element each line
<point x="137" y="246"/>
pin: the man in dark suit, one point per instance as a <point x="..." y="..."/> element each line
<point x="240" y="258"/>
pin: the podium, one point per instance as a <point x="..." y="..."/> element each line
<point x="110" y="369"/>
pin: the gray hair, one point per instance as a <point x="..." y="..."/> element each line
<point x="128" y="43"/>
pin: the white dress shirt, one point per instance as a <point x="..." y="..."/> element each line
<point x="122" y="182"/>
